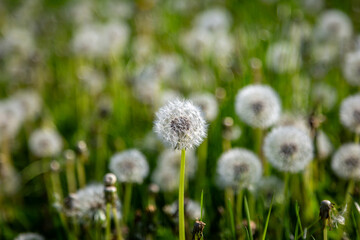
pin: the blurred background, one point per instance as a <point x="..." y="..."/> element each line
<point x="82" y="80"/>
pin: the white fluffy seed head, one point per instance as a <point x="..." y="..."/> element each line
<point x="192" y="209"/>
<point x="166" y="179"/>
<point x="350" y="113"/>
<point x="129" y="166"/>
<point x="283" y="57"/>
<point x="325" y="95"/>
<point x="258" y="105"/>
<point x="45" y="142"/>
<point x="238" y="168"/>
<point x="29" y="236"/>
<point x="11" y="118"/>
<point x="213" y="20"/>
<point x="324" y="146"/>
<point x="333" y="25"/>
<point x="180" y="124"/>
<point x="30" y="101"/>
<point x="346" y="161"/>
<point x="288" y="149"/>
<point x="86" y="202"/>
<point x="207" y="103"/>
<point x="351" y="68"/>
<point x="295" y="120"/>
<point x="269" y="188"/>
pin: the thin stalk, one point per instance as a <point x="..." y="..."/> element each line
<point x="201" y="176"/>
<point x="108" y="221"/>
<point x="181" y="197"/>
<point x="231" y="218"/>
<point x="70" y="176"/>
<point x="127" y="201"/>
<point x="117" y="224"/>
<point x="248" y="218"/>
<point x="80" y="172"/>
<point x="285" y="205"/>
<point x="239" y="199"/>
<point x="325" y="230"/>
<point x="267" y="219"/>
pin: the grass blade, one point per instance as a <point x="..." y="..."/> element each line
<point x="231" y="215"/>
<point x="248" y="218"/>
<point x="201" y="202"/>
<point x="267" y="219"/>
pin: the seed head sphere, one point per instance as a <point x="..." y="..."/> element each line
<point x="180" y="124"/>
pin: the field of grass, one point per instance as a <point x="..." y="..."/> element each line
<point x="85" y="86"/>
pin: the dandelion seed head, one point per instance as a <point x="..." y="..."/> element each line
<point x="324" y="146"/>
<point x="30" y="102"/>
<point x="351" y="68"/>
<point x="295" y="120"/>
<point x="129" y="166"/>
<point x="180" y="124"/>
<point x="258" y="106"/>
<point x="213" y="20"/>
<point x="283" y="57"/>
<point x="350" y="113"/>
<point x="11" y="118"/>
<point x="333" y="25"/>
<point x="87" y="202"/>
<point x="346" y="161"/>
<point x="45" y="142"/>
<point x="29" y="236"/>
<point x="238" y="168"/>
<point x="192" y="209"/>
<point x="325" y="95"/>
<point x="207" y="103"/>
<point x="166" y="178"/>
<point x="269" y="188"/>
<point x="288" y="149"/>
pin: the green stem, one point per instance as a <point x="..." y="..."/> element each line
<point x="248" y="218"/>
<point x="127" y="200"/>
<point x="117" y="224"/>
<point x="181" y="197"/>
<point x="81" y="173"/>
<point x="201" y="176"/>
<point x="285" y="204"/>
<point x="70" y="176"/>
<point x="239" y="199"/>
<point x="325" y="230"/>
<point x="108" y="221"/>
<point x="349" y="191"/>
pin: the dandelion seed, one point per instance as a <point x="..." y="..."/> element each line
<point x="258" y="106"/>
<point x="207" y="103"/>
<point x="45" y="142"/>
<point x="238" y="168"/>
<point x="129" y="166"/>
<point x="288" y="149"/>
<point x="180" y="124"/>
<point x="351" y="68"/>
<point x="350" y="113"/>
<point x="346" y="161"/>
<point x="88" y="203"/>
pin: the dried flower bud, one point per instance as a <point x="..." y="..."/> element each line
<point x="55" y="166"/>
<point x="325" y="208"/>
<point x="81" y="148"/>
<point x="198" y="229"/>
<point x="110" y="194"/>
<point x="69" y="155"/>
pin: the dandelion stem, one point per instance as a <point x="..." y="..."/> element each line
<point x="81" y="172"/>
<point x="239" y="199"/>
<point x="127" y="200"/>
<point x="70" y="176"/>
<point x="117" y="224"/>
<point x="325" y="230"/>
<point x="108" y="221"/>
<point x="181" y="197"/>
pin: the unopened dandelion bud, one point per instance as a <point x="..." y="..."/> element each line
<point x="325" y="207"/>
<point x="82" y="149"/>
<point x="154" y="188"/>
<point x="220" y="93"/>
<point x="69" y="156"/>
<point x="55" y="166"/>
<point x="109" y="179"/>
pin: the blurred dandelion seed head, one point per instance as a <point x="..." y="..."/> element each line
<point x="29" y="236"/>
<point x="238" y="168"/>
<point x="288" y="149"/>
<point x="45" y="142"/>
<point x="207" y="103"/>
<point x="350" y="113"/>
<point x="346" y="161"/>
<point x="129" y="166"/>
<point x="258" y="106"/>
